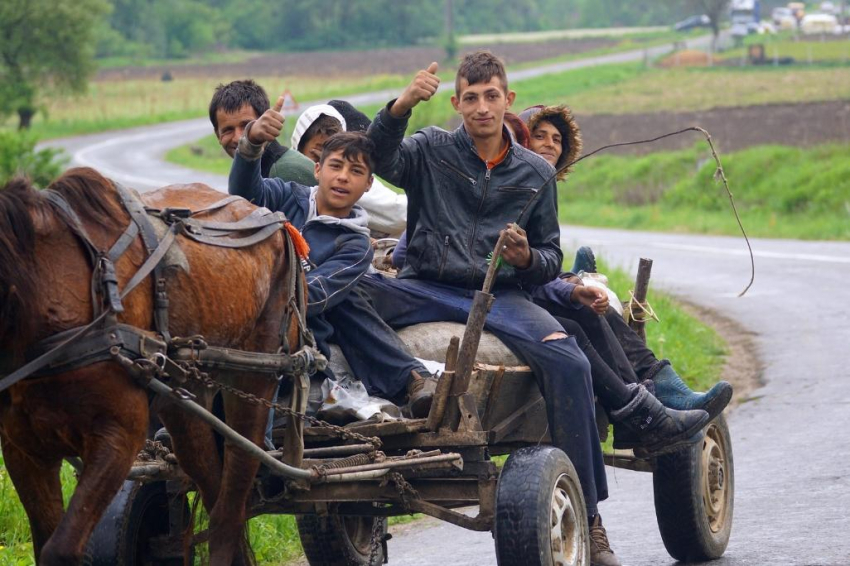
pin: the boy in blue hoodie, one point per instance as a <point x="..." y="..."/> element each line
<point x="336" y="229"/>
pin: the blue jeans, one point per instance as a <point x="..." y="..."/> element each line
<point x="561" y="369"/>
<point x="376" y="354"/>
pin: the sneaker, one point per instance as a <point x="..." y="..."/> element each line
<point x="420" y="393"/>
<point x="600" y="551"/>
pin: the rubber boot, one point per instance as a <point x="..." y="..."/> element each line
<point x="675" y="394"/>
<point x="585" y="261"/>
<point x="420" y="393"/>
<point x="645" y="424"/>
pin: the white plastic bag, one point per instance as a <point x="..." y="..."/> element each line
<point x="346" y="399"/>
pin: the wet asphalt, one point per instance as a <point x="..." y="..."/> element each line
<point x="790" y="441"/>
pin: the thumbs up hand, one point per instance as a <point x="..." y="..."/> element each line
<point x="268" y="126"/>
<point x="422" y="88"/>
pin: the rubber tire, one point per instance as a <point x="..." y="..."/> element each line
<point x="137" y="513"/>
<point x="327" y="540"/>
<point x="680" y="507"/>
<point x="524" y="497"/>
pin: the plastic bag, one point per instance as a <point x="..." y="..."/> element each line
<point x="346" y="399"/>
<point x="600" y="281"/>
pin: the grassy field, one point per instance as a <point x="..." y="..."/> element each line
<point x="632" y="88"/>
<point x="695" y="348"/>
<point x="803" y="50"/>
<point x="123" y="104"/>
<point x="781" y="192"/>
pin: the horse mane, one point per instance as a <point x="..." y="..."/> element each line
<point x="17" y="254"/>
<point x="92" y="196"/>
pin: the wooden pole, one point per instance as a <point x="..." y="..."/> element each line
<point x="636" y="320"/>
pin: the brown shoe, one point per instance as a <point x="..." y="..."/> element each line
<point x="420" y="393"/>
<point x="600" y="551"/>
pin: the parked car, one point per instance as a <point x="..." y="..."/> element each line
<point x="818" y="23"/>
<point x="701" y="21"/>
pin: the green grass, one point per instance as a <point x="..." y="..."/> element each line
<point x="204" y="155"/>
<point x="780" y="192"/>
<point x="15" y="540"/>
<point x="784" y="45"/>
<point x="110" y="105"/>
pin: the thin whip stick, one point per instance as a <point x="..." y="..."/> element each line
<point x="718" y="174"/>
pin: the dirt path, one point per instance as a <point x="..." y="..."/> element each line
<point x="743" y="368"/>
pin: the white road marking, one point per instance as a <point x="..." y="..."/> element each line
<point x="726" y="251"/>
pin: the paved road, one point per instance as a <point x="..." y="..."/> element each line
<point x="791" y="447"/>
<point x="135" y="156"/>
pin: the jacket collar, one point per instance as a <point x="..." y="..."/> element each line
<point x="466" y="141"/>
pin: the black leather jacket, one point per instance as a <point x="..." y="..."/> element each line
<point x="456" y="206"/>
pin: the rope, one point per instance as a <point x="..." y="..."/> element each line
<point x="646" y="310"/>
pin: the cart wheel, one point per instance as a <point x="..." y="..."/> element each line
<point x="125" y="535"/>
<point x="541" y="518"/>
<point x="695" y="495"/>
<point x="337" y="540"/>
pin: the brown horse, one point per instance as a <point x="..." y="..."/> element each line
<point x="233" y="298"/>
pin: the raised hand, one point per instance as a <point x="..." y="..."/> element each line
<point x="267" y="127"/>
<point x="423" y="86"/>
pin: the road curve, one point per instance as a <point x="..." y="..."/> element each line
<point x="135" y="157"/>
<point x="790" y="441"/>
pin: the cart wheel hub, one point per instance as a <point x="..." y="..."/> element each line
<point x="714" y="479"/>
<point x="565" y="529"/>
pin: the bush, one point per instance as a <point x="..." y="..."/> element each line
<point x="18" y="156"/>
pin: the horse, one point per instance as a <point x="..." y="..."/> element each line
<point x="232" y="297"/>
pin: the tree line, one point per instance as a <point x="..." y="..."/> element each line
<point x="178" y="28"/>
<point x="51" y="45"/>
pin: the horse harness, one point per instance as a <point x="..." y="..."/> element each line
<point x="106" y="339"/>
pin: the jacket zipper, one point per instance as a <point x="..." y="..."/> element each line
<point x="443" y="260"/>
<point x="472" y="181"/>
<point x="475" y="223"/>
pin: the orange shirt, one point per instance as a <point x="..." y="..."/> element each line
<point x="502" y="154"/>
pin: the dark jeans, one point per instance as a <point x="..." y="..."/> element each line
<point x="561" y="369"/>
<point x="601" y="335"/>
<point x="641" y="358"/>
<point x="609" y="387"/>
<point x="376" y="354"/>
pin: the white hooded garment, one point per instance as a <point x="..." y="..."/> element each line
<point x="387" y="209"/>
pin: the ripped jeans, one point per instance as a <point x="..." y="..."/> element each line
<point x="561" y="369"/>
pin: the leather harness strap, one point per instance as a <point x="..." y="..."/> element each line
<point x="77" y="347"/>
<point x="139" y="216"/>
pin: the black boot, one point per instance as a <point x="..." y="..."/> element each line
<point x="650" y="428"/>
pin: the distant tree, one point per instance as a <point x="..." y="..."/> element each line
<point x="18" y="156"/>
<point x="45" y="46"/>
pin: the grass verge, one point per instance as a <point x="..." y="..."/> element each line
<point x="780" y="192"/>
